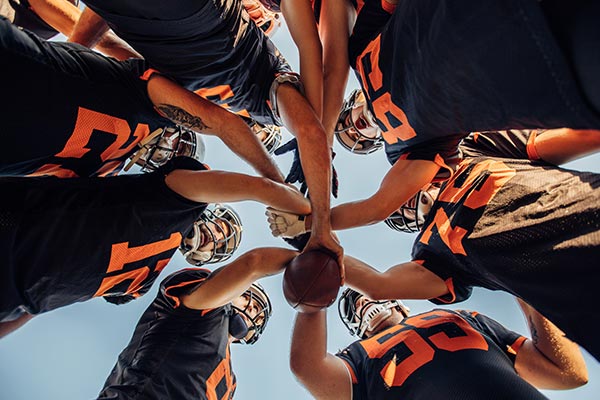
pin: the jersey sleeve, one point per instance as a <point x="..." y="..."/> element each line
<point x="513" y="143"/>
<point x="510" y="342"/>
<point x="458" y="289"/>
<point x="351" y="356"/>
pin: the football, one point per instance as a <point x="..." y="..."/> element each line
<point x="311" y="281"/>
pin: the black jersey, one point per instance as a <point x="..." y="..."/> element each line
<point x="68" y="240"/>
<point x="26" y="18"/>
<point x="69" y="111"/>
<point x="175" y="352"/>
<point x="521" y="226"/>
<point x="441" y="354"/>
<point x="210" y="47"/>
<point x="433" y="71"/>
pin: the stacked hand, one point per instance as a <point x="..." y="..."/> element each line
<point x="296" y="173"/>
<point x="285" y="224"/>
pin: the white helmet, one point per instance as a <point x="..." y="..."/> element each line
<point x="356" y="129"/>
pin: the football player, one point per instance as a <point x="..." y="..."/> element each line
<point x="429" y="80"/>
<point x="440" y="354"/>
<point x="180" y="348"/>
<point x="69" y="240"/>
<point x="211" y="49"/>
<point x="89" y="111"/>
<point x="48" y="18"/>
<point x="504" y="222"/>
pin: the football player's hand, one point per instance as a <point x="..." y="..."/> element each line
<point x="285" y="224"/>
<point x="328" y="242"/>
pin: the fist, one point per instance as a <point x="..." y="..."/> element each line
<point x="285" y="224"/>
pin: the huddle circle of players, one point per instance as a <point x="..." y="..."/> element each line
<point x="476" y="105"/>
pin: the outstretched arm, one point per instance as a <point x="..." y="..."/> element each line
<point x="301" y="24"/>
<point x="323" y="374"/>
<point x="220" y="186"/>
<point x="403" y="281"/>
<point x="559" y="146"/>
<point x="232" y="280"/>
<point x="335" y="25"/>
<point x="549" y="360"/>
<point x="315" y="157"/>
<point x="200" y="115"/>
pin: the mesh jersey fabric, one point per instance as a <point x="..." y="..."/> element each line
<point x="440" y="354"/>
<point x="72" y="112"/>
<point x="68" y="240"/>
<point x="175" y="352"/>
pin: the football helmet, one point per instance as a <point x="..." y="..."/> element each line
<point x="411" y="215"/>
<point x="214" y="237"/>
<point x="165" y="143"/>
<point x="272" y="5"/>
<point x="258" y="323"/>
<point x="265" y="18"/>
<point x="357" y="323"/>
<point x="269" y="135"/>
<point x="356" y="129"/>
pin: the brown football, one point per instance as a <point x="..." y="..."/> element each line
<point x="311" y="281"/>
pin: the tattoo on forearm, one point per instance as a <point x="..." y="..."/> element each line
<point x="182" y="117"/>
<point x="534" y="333"/>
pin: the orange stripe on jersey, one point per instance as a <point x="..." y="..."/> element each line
<point x="175" y="299"/>
<point x="148" y="73"/>
<point x="445" y="172"/>
<point x="452" y="237"/>
<point x="53" y="170"/>
<point x="137" y="275"/>
<point x="532" y="152"/>
<point x="351" y="371"/>
<point x="450" y="285"/>
<point x="516" y="346"/>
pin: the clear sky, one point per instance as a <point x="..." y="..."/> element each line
<point x="68" y="353"/>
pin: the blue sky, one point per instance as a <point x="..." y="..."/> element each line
<point x="68" y="353"/>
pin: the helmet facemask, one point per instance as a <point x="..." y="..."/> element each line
<point x="269" y="135"/>
<point x="370" y="313"/>
<point x="356" y="128"/>
<point x="410" y="217"/>
<point x="257" y="324"/>
<point x="214" y="237"/>
<point x="265" y="18"/>
<point x="164" y="144"/>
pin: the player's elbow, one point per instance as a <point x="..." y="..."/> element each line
<point x="574" y="378"/>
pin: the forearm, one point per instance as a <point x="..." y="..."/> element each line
<point x="233" y="279"/>
<point x="113" y="46"/>
<point x="315" y="155"/>
<point x="336" y="22"/>
<point x="221" y="186"/>
<point x="89" y="29"/>
<point x="567" y="367"/>
<point x="11" y="326"/>
<point x="200" y="115"/>
<point x="309" y="345"/>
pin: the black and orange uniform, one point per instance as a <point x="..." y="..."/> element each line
<point x="210" y="47"/>
<point x="23" y="15"/>
<point x="434" y="71"/>
<point x="440" y="354"/>
<point x="521" y="226"/>
<point x="175" y="352"/>
<point x="69" y="240"/>
<point x="72" y="112"/>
